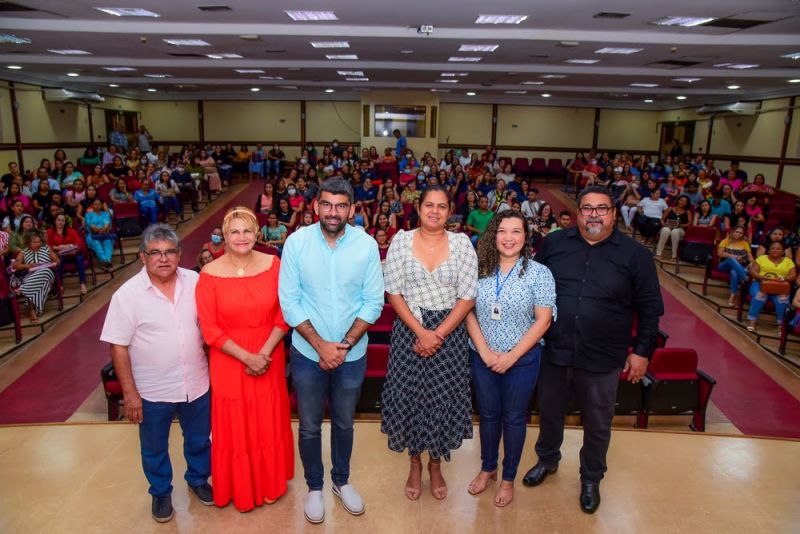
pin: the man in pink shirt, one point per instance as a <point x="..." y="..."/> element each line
<point x="158" y="355"/>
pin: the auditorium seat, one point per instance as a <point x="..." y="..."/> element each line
<point x="7" y="300"/>
<point x="630" y="399"/>
<point x="677" y="387"/>
<point x="538" y="168"/>
<point x="555" y="168"/>
<point x="112" y="390"/>
<point x="699" y="239"/>
<point x="104" y="192"/>
<point x="522" y="167"/>
<point x="380" y="332"/>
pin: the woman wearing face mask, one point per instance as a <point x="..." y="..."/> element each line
<point x="217" y="244"/>
<point x="296" y="201"/>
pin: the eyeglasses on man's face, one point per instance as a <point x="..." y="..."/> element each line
<point x="170" y="253"/>
<point x="324" y="205"/>
<point x="601" y="210"/>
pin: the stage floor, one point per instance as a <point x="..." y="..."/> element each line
<point x="87" y="478"/>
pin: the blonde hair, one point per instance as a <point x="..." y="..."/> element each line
<point x="240" y="212"/>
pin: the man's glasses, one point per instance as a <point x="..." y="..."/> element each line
<point x="327" y="206"/>
<point x="601" y="210"/>
<point x="170" y="253"/>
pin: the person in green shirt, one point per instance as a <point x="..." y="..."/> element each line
<point x="564" y="220"/>
<point x="478" y="219"/>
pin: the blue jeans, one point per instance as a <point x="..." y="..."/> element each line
<point x="78" y="260"/>
<point x="171" y="203"/>
<point x="150" y="213"/>
<point x="340" y="388"/>
<point x="274" y="167"/>
<point x="503" y="406"/>
<point x="757" y="302"/>
<point x="195" y="420"/>
<point x="737" y="270"/>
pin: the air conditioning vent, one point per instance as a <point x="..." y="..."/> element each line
<point x="611" y="15"/>
<point x="736" y="24"/>
<point x="10" y="7"/>
<point x="213" y="9"/>
<point x="64" y="95"/>
<point x="736" y="108"/>
<point x="672" y="64"/>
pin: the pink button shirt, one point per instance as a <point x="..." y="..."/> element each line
<point x="163" y="338"/>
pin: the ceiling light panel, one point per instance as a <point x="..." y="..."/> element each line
<point x="357" y="79"/>
<point x="151" y="90"/>
<point x="311" y="16"/>
<point x="223" y="56"/>
<point x="793" y="55"/>
<point x="553" y="76"/>
<point x="453" y="74"/>
<point x="686" y="80"/>
<point x="647" y="85"/>
<point x="186" y="42"/>
<point x="341" y="56"/>
<point x="736" y="66"/>
<point x="250" y="71"/>
<point x="330" y="44"/>
<point x="463" y="59"/>
<point x="624" y="51"/>
<point x="449" y="80"/>
<point x="500" y="19"/>
<point x="680" y="97"/>
<point x="73" y="74"/>
<point x="355" y="73"/>
<point x="532" y="83"/>
<point x="478" y="47"/>
<point x="128" y="12"/>
<point x="516" y="92"/>
<point x="270" y="77"/>
<point x="119" y="69"/>
<point x="8" y="38"/>
<point x="471" y="93"/>
<point x="69" y="52"/>
<point x="686" y="22"/>
<point x="158" y="75"/>
<point x="583" y="61"/>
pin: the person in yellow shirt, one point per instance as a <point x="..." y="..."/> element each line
<point x="734" y="257"/>
<point x="774" y="265"/>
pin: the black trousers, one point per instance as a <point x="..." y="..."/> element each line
<point x="595" y="395"/>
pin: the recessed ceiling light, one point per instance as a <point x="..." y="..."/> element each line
<point x="223" y="56"/>
<point x="9" y="38"/>
<point x="250" y="37"/>
<point x="119" y="69"/>
<point x="298" y="16"/>
<point x="516" y="92"/>
<point x="330" y="44"/>
<point x="255" y="89"/>
<point x="449" y="80"/>
<point x="737" y="66"/>
<point x="288" y="86"/>
<point x="500" y="19"/>
<point x="686" y="22"/>
<point x="73" y="74"/>
<point x="186" y="42"/>
<point x="14" y="67"/>
<point x="113" y="85"/>
<point x="270" y="77"/>
<point x="553" y="76"/>
<point x="648" y="100"/>
<point x="568" y="44"/>
<point x="478" y="47"/>
<point x="341" y="56"/>
<point x="127" y="12"/>
<point x="151" y="90"/>
<point x="532" y="83"/>
<point x="546" y="95"/>
<point x="440" y="90"/>
<point x="583" y="61"/>
<point x="464" y="59"/>
<point x="793" y="55"/>
<point x="330" y="90"/>
<point x="796" y="80"/>
<point x="624" y="51"/>
<point x="250" y="71"/>
<point x="687" y="80"/>
<point x="68" y="52"/>
<point x="158" y="75"/>
<point x="406" y="51"/>
<point x="733" y="87"/>
<point x="471" y="93"/>
<point x="453" y="74"/>
<point x="356" y="73"/>
<point x="357" y="79"/>
<point x="648" y="85"/>
<point x="681" y="97"/>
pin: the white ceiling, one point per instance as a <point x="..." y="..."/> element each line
<point x="379" y="30"/>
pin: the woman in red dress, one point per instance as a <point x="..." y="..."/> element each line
<point x="252" y="451"/>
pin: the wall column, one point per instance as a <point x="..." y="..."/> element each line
<point x="596" y="133"/>
<point x="15" y="119"/>
<point x="201" y="128"/>
<point x="785" y="145"/>
<point x="494" y="125"/>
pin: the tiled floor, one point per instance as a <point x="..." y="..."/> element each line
<point x="86" y="478"/>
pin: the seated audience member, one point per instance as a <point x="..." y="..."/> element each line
<point x="728" y="194"/>
<point x="217" y="243"/>
<point x="531" y="204"/>
<point x="203" y="258"/>
<point x="90" y="157"/>
<point x="367" y="193"/>
<point x="273" y="234"/>
<point x="41" y="198"/>
<point x="766" y="270"/>
<point x="385" y="208"/>
<point x="85" y="205"/>
<point x="186" y="184"/>
<point x="777" y="235"/>
<point x="73" y="197"/>
<point x="543" y="223"/>
<point x="296" y="201"/>
<point x="119" y="169"/>
<point x="33" y="276"/>
<point x="275" y="158"/>
<point x="382" y="223"/>
<point x="120" y="192"/>
<point x="147" y="199"/>
<point x="360" y="216"/>
<point x="737" y="217"/>
<point x="498" y="195"/>
<point x="564" y="220"/>
<point x="704" y="216"/>
<point x="755" y="214"/>
<point x="670" y="189"/>
<point x="479" y="219"/>
<point x="383" y="245"/>
<point x="739" y="173"/>
<point x="66" y="242"/>
<point x="674" y="222"/>
<point x="719" y="206"/>
<point x="692" y="192"/>
<point x="14" y="173"/>
<point x="13" y="193"/>
<point x="211" y="173"/>
<point x="650" y="213"/>
<point x="307" y="218"/>
<point x="629" y="204"/>
<point x="734" y="257"/>
<point x="470" y="203"/>
<point x="99" y="235"/>
<point x="167" y="191"/>
<point x="70" y="175"/>
<point x="16" y="240"/>
<point x="758" y="186"/>
<point x="286" y="214"/>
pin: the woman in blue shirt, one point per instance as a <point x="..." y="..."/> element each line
<point x="514" y="307"/>
<point x="147" y="198"/>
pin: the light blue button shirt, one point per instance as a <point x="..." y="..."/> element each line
<point x="331" y="287"/>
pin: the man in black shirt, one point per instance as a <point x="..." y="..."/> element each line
<point x="185" y="182"/>
<point x="603" y="280"/>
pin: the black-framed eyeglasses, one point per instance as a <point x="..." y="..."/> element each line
<point x="324" y="205"/>
<point x="170" y="253"/>
<point x="601" y="210"/>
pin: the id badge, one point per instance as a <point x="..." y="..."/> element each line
<point x="496" y="311"/>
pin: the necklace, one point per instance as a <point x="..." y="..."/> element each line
<point x="240" y="268"/>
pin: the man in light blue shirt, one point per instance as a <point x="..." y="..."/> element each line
<point x="331" y="291"/>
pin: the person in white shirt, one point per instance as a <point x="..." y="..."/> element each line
<point x="648" y="218"/>
<point x="464" y="159"/>
<point x="530" y="207"/>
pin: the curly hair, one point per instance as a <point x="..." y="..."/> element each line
<point x="488" y="256"/>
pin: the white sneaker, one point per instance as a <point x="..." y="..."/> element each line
<point x="314" y="507"/>
<point x="350" y="498"/>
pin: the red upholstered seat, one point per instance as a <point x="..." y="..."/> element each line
<point x="697" y="235"/>
<point x="555" y="167"/>
<point x="377" y="361"/>
<point x="521" y="166"/>
<point x="538" y="166"/>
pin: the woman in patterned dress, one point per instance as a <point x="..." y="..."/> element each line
<point x="513" y="309"/>
<point x="33" y="276"/>
<point x="431" y="277"/>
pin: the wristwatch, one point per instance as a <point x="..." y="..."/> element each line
<point x="345" y="341"/>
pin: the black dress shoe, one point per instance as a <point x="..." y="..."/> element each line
<point x="162" y="508"/>
<point x="204" y="493"/>
<point x="590" y="497"/>
<point x="538" y="473"/>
